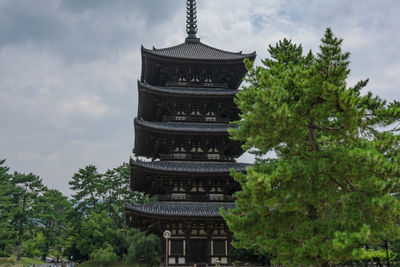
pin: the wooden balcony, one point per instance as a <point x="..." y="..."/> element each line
<point x="194" y="197"/>
<point x="191" y="118"/>
<point x="194" y="156"/>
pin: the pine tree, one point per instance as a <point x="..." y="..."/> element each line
<point x="51" y="211"/>
<point x="7" y="209"/>
<point x="331" y="189"/>
<point x="27" y="188"/>
<point x="116" y="192"/>
<point x="88" y="189"/>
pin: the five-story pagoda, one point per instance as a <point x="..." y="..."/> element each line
<point x="182" y="147"/>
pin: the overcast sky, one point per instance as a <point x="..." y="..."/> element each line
<point x="68" y="68"/>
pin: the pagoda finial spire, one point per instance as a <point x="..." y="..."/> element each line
<point x="191" y="19"/>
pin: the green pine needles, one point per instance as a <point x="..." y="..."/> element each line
<point x="332" y="187"/>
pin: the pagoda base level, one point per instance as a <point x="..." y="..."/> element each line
<point x="198" y="241"/>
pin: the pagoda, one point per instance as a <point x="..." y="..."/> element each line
<point x="183" y="153"/>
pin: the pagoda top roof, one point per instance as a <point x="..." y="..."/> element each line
<point x="196" y="50"/>
<point x="181" y="209"/>
<point x="188" y="90"/>
<point x="191" y="166"/>
<point x="185" y="126"/>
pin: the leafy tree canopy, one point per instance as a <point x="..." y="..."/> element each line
<point x="143" y="248"/>
<point x="96" y="232"/>
<point x="104" y="257"/>
<point x="332" y="187"/>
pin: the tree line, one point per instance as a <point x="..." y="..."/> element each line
<point x="39" y="222"/>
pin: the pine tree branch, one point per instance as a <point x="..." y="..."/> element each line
<point x="351" y="185"/>
<point x="311" y="136"/>
<point x="340" y="185"/>
<point x="329" y="128"/>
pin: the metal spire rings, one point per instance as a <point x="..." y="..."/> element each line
<point x="191" y="19"/>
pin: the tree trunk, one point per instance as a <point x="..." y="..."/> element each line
<point x="21" y="229"/>
<point x="311" y="136"/>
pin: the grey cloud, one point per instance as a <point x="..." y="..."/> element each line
<point x="151" y="10"/>
<point x="23" y="21"/>
<point x="83" y="30"/>
<point x="68" y="81"/>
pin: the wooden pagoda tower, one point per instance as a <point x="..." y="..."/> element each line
<point x="183" y="154"/>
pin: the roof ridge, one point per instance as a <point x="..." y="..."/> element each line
<point x="166" y="48"/>
<point x="225" y="51"/>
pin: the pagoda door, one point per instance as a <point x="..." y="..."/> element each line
<point x="197" y="251"/>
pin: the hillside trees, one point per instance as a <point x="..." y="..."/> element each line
<point x="98" y="200"/>
<point x="116" y="191"/>
<point x="26" y="189"/>
<point x="331" y="189"/>
<point x="7" y="235"/>
<point x="53" y="211"/>
<point x="39" y="222"/>
<point x="87" y="187"/>
<point x="33" y="218"/>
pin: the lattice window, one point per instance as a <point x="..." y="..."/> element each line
<point x="179" y="156"/>
<point x="216" y="196"/>
<point x="213" y="156"/>
<point x="180" y="118"/>
<point x="178" y="196"/>
<point x="209" y="118"/>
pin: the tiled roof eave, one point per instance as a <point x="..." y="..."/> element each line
<point x="180" y="209"/>
<point x="187" y="91"/>
<point x="199" y="61"/>
<point x="229" y="56"/>
<point x="183" y="128"/>
<point x="190" y="167"/>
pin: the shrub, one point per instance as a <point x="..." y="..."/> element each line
<point x="143" y="249"/>
<point x="377" y="255"/>
<point x="12" y="259"/>
<point x="104" y="256"/>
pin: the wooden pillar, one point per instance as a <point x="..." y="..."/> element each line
<point x="229" y="255"/>
<point x="208" y="258"/>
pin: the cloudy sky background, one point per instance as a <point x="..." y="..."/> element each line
<point x="68" y="68"/>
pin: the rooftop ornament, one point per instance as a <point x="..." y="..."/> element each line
<point x="191" y="19"/>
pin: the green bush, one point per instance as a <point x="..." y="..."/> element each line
<point x="35" y="246"/>
<point x="95" y="230"/>
<point x="104" y="256"/>
<point x="143" y="249"/>
<point x="12" y="259"/>
<point x="373" y="255"/>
